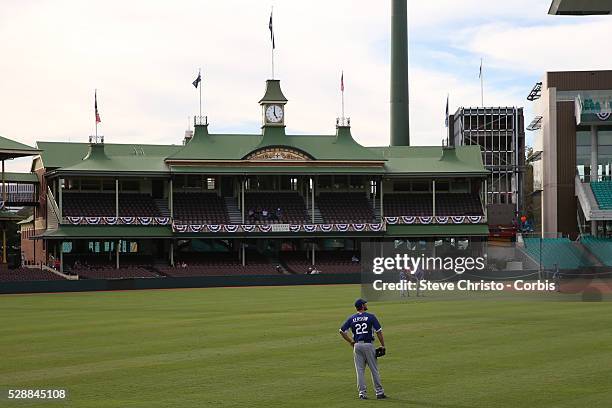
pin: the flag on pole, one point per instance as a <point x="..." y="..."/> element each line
<point x="446" y="116"/>
<point x="480" y="72"/>
<point x="342" y="82"/>
<point x="197" y="81"/>
<point x="271" y="27"/>
<point x="98" y="120"/>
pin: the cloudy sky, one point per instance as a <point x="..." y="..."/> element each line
<point x="142" y="56"/>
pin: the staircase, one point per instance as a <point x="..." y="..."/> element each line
<point x="162" y="206"/>
<point x="275" y="261"/>
<point x="375" y="204"/>
<point x="318" y="218"/>
<point x="234" y="214"/>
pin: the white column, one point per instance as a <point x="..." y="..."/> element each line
<point x="305" y="191"/>
<point x="60" y="190"/>
<point x="117" y="200"/>
<point x="171" y="199"/>
<point x="313" y="254"/>
<point x="381" y="201"/>
<point x="594" y="166"/>
<point x="172" y="253"/>
<point x="242" y="184"/>
<point x="312" y="179"/>
<point x="243" y="254"/>
<point x="61" y="256"/>
<point x="433" y="186"/>
<point x="594" y="153"/>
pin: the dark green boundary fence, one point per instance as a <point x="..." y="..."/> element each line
<point x="88" y="285"/>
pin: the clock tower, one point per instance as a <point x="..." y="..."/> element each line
<point x="273" y="105"/>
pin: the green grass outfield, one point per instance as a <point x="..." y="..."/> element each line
<point x="279" y="347"/>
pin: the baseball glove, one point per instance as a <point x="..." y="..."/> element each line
<point x="381" y="351"/>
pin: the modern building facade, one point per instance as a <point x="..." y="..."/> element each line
<point x="574" y="140"/>
<point x="500" y="134"/>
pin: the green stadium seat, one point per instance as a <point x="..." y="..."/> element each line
<point x="556" y="251"/>
<point x="599" y="247"/>
<point x="602" y="190"/>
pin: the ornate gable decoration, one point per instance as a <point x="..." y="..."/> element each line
<point x="278" y="154"/>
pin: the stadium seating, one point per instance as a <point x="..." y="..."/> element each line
<point x="107" y="272"/>
<point x="217" y="264"/>
<point x="596" y="106"/>
<point x="601" y="248"/>
<point x="397" y="205"/>
<point x="103" y="205"/>
<point x="293" y="209"/>
<point x="603" y="193"/>
<point x="338" y="208"/>
<point x="453" y="204"/>
<point x="325" y="261"/>
<point x="27" y="274"/>
<point x="556" y="251"/>
<point x="421" y="205"/>
<point x="199" y="208"/>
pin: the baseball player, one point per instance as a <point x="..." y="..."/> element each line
<point x="364" y="325"/>
<point x="404" y="277"/>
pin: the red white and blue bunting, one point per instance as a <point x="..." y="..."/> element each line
<point x="457" y="220"/>
<point x="294" y="228"/>
<point x="118" y="221"/>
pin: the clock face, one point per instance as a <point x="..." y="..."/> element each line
<point x="274" y="114"/>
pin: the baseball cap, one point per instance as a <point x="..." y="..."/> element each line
<point x="359" y="303"/>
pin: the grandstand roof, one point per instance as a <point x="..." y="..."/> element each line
<point x="66" y="154"/>
<point x="6" y="215"/>
<point x="437" y="230"/>
<point x="338" y="147"/>
<point x="10" y="149"/>
<point x="98" y="231"/>
<point x="415" y="160"/>
<point x="20" y="178"/>
<point x="209" y="153"/>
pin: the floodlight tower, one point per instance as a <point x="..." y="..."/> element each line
<point x="400" y="121"/>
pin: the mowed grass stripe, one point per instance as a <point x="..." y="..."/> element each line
<point x="268" y="347"/>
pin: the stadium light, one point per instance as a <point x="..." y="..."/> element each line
<point x="580" y="7"/>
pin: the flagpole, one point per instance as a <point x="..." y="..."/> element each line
<point x="96" y="112"/>
<point x="481" y="85"/>
<point x="200" y="86"/>
<point x="342" y="98"/>
<point x="448" y="135"/>
<point x="271" y="20"/>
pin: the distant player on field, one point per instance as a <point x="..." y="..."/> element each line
<point x="364" y="325"/>
<point x="404" y="277"/>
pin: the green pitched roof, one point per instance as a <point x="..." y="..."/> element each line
<point x="20" y="178"/>
<point x="339" y="147"/>
<point x="288" y="170"/>
<point x="66" y="154"/>
<point x="140" y="159"/>
<point x="97" y="231"/>
<point x="416" y="160"/>
<point x="406" y="231"/>
<point x="6" y="215"/>
<point x="10" y="149"/>
<point x="273" y="92"/>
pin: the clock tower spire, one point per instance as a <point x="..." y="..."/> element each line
<point x="273" y="105"/>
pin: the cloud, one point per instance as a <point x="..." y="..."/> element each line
<point x="143" y="55"/>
